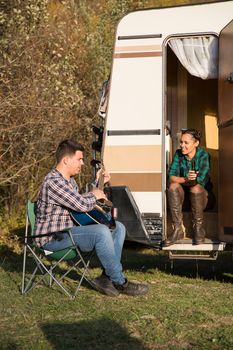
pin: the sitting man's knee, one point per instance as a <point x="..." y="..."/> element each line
<point x="103" y="229"/>
<point x="120" y="230"/>
<point x="120" y="226"/>
<point x="103" y="232"/>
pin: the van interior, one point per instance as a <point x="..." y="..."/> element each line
<point x="192" y="102"/>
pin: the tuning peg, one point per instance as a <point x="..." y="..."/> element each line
<point x="95" y="163"/>
<point x="96" y="146"/>
<point x="97" y="131"/>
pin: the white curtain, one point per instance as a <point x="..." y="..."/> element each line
<point x="199" y="55"/>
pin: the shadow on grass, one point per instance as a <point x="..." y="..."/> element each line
<point x="12" y="262"/>
<point x="141" y="259"/>
<point x="144" y="259"/>
<point x="96" y="335"/>
<point x="7" y="344"/>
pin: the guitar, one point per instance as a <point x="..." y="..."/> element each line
<point x="101" y="214"/>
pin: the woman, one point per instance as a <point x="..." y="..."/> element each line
<point x="189" y="172"/>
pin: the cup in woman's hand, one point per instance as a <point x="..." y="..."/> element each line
<point x="192" y="175"/>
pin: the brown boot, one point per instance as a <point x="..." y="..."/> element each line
<point x="198" y="203"/>
<point x="175" y="203"/>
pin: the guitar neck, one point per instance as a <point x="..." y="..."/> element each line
<point x="100" y="186"/>
<point x="101" y="179"/>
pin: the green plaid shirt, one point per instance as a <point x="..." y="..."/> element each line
<point x="201" y="162"/>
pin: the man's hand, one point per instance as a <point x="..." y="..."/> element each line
<point x="99" y="194"/>
<point x="103" y="173"/>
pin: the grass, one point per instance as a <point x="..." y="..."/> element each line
<point x="186" y="308"/>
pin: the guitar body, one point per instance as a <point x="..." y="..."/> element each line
<point x="95" y="216"/>
<point x="101" y="214"/>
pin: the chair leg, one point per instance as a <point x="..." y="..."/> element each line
<point x="50" y="279"/>
<point x="83" y="277"/>
<point x="25" y="255"/>
<point x="41" y="272"/>
<point x="24" y="269"/>
<point x="77" y="268"/>
<point x="46" y="271"/>
<point x="29" y="285"/>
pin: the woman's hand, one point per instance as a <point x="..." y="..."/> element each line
<point x="192" y="175"/>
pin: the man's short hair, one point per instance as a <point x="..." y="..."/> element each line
<point x="67" y="148"/>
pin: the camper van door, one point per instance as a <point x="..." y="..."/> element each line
<point x="226" y="133"/>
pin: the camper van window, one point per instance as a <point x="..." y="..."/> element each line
<point x="199" y="55"/>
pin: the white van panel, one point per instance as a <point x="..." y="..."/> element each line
<point x="148" y="202"/>
<point x="210" y="17"/>
<point x="129" y="106"/>
<point x="137" y="140"/>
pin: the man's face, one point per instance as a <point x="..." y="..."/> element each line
<point x="74" y="163"/>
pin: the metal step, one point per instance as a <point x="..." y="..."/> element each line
<point x="186" y="244"/>
<point x="185" y="249"/>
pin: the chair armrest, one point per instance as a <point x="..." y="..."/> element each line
<point x="39" y="236"/>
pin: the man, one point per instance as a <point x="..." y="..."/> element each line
<point x="58" y="196"/>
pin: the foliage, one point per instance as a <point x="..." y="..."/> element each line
<point x="40" y="91"/>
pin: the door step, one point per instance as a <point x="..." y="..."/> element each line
<point x="184" y="249"/>
<point x="186" y="244"/>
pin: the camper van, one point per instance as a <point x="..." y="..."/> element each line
<point x="172" y="69"/>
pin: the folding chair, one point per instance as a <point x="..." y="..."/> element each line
<point x="45" y="272"/>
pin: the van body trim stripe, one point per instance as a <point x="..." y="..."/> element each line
<point x="138" y="54"/>
<point x="133" y="158"/>
<point x="138" y="182"/>
<point x="133" y="132"/>
<point x="147" y="36"/>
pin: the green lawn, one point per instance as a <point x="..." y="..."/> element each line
<point x="189" y="306"/>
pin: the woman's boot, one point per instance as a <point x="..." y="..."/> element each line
<point x="198" y="204"/>
<point x="175" y="204"/>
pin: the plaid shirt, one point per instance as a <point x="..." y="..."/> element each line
<point x="181" y="165"/>
<point x="56" y="198"/>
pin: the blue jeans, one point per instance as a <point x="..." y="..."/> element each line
<point x="107" y="244"/>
